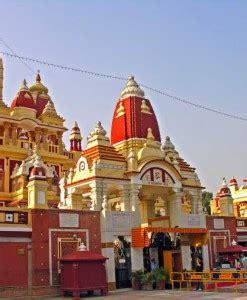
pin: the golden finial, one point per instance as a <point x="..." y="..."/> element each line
<point x="38" y="78"/>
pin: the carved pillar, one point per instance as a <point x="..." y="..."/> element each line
<point x="49" y="181"/>
<point x="71" y="145"/>
<point x="37" y="136"/>
<point x="96" y="195"/>
<point x="45" y="139"/>
<point x="6" y="136"/>
<point x="199" y="202"/>
<point x="31" y="136"/>
<point x="135" y="203"/>
<point x="60" y="142"/>
<point x="235" y="209"/>
<point x="14" y="134"/>
<point x="125" y="195"/>
<point x="175" y="208"/>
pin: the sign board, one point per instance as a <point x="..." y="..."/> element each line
<point x="219" y="224"/>
<point x="68" y="220"/>
<point x="194" y="221"/>
<point x="121" y="220"/>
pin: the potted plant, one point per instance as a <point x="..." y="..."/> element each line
<point x="160" y="277"/>
<point x="148" y="281"/>
<point x="137" y="277"/>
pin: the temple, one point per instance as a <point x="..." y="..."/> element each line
<point x="149" y="197"/>
<point x="30" y="128"/>
<point x="128" y="195"/>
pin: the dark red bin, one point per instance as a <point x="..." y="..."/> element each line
<point x="83" y="271"/>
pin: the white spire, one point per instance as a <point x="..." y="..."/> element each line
<point x="23" y="86"/>
<point x="168" y="145"/>
<point x="132" y="89"/>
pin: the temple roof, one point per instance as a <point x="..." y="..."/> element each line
<point x="133" y="115"/>
<point x="184" y="166"/>
<point x="75" y="132"/>
<point x="23" y="97"/>
<point x="99" y="146"/>
<point x="38" y="86"/>
<point x="224" y="190"/>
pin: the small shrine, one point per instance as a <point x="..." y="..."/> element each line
<point x="83" y="271"/>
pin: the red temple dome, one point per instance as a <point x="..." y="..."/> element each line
<point x="75" y="130"/>
<point x="233" y="182"/>
<point x="224" y="191"/>
<point x="37" y="173"/>
<point x="23" y="98"/>
<point x="133" y="115"/>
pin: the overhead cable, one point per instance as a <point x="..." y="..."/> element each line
<point x="97" y="74"/>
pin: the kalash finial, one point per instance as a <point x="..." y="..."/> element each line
<point x="38" y="78"/>
<point x="132" y="89"/>
<point x="24" y="85"/>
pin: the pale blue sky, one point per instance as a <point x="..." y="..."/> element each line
<point x="193" y="49"/>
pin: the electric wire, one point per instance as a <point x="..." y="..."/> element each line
<point x="14" y="53"/>
<point x="97" y="74"/>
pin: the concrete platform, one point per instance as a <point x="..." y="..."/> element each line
<point x="155" y="294"/>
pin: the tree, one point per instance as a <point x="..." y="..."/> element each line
<point x="206" y="198"/>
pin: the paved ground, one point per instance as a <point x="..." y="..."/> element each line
<point x="148" y="295"/>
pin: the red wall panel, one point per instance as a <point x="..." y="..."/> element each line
<point x="13" y="264"/>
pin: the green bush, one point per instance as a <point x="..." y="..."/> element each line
<point x="160" y="274"/>
<point x="137" y="276"/>
<point x="148" y="278"/>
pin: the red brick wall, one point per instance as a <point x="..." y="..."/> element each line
<point x="43" y="241"/>
<point x="13" y="264"/>
<point x="219" y="238"/>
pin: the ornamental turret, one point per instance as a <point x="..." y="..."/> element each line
<point x="133" y="117"/>
<point x="75" y="138"/>
<point x="38" y="86"/>
<point x="37" y="186"/>
<point x="225" y="200"/>
<point x="23" y="103"/>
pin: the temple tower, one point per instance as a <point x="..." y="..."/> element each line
<point x="133" y="117"/>
<point x="75" y="138"/>
<point x="225" y="200"/>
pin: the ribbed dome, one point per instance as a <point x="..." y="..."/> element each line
<point x="224" y="191"/>
<point x="37" y="173"/>
<point x="38" y="86"/>
<point x="233" y="181"/>
<point x="75" y="132"/>
<point x="133" y="115"/>
<point x="23" y="98"/>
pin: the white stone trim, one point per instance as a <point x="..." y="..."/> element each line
<point x="19" y="229"/>
<point x="209" y="239"/>
<point x="15" y="240"/>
